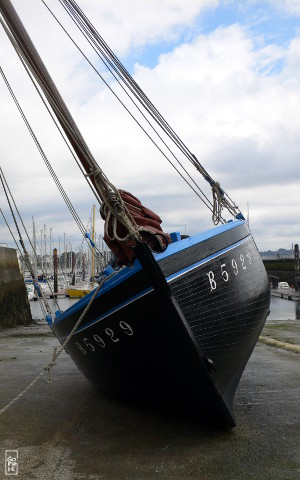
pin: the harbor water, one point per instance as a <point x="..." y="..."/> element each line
<point x="282" y="309"/>
<point x="61" y="303"/>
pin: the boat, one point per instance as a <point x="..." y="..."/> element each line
<point x="30" y="292"/>
<point x="79" y="291"/>
<point x="176" y="322"/>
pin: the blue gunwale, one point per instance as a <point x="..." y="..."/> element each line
<point x="128" y="272"/>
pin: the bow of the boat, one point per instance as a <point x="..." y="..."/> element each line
<point x="224" y="294"/>
<point x="186" y="344"/>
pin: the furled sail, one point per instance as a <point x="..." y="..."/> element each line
<point x="116" y="235"/>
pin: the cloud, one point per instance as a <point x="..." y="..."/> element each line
<point x="156" y="21"/>
<point x="291" y="7"/>
<point x="232" y="98"/>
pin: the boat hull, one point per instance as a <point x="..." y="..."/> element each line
<point x="225" y="301"/>
<point x="185" y="344"/>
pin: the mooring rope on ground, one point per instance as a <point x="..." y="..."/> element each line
<point x="56" y="353"/>
<point x="291" y="347"/>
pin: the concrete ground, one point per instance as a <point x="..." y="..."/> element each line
<point x="68" y="430"/>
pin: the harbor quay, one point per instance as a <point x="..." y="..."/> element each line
<point x="67" y="429"/>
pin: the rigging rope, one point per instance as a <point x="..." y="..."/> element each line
<point x="207" y="202"/>
<point x="220" y="198"/>
<point x="25" y="256"/>
<point x="43" y="155"/>
<point x="30" y="56"/>
<point x="25" y="230"/>
<point x="56" y="353"/>
<point x="107" y="192"/>
<point x="44" y="311"/>
<point x="48" y="165"/>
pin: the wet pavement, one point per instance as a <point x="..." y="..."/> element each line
<point x="67" y="429"/>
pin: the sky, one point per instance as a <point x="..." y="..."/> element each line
<point x="225" y="74"/>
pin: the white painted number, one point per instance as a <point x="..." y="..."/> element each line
<point x="91" y="344"/>
<point x="111" y="334"/>
<point x="99" y="340"/>
<point x="212" y="281"/>
<point x="80" y="348"/>
<point x="243" y="261"/>
<point x="127" y="328"/>
<point x="235" y="267"/>
<point x="224" y="272"/>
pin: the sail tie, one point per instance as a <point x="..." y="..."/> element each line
<point x="113" y="205"/>
<point x="220" y="202"/>
<point x="127" y="221"/>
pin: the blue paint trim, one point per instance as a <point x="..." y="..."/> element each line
<point x="127" y="272"/>
<point x="200" y="237"/>
<point x="169" y="279"/>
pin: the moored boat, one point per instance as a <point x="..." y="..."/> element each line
<point x="178" y="321"/>
<point x="137" y="342"/>
<point x="30" y="292"/>
<point x="79" y="291"/>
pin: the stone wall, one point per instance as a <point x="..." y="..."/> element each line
<point x="14" y="305"/>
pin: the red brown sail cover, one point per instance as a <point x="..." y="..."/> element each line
<point x="152" y="232"/>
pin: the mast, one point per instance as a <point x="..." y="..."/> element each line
<point x="34" y="249"/>
<point x="65" y="256"/>
<point x="248" y="217"/>
<point x="59" y="250"/>
<point x="41" y="250"/>
<point x="118" y="207"/>
<point x="28" y="52"/>
<point x="45" y="246"/>
<point x="93" y="248"/>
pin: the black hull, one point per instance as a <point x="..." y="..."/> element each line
<point x="186" y="344"/>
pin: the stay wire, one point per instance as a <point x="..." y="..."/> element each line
<point x="42" y="153"/>
<point x="101" y="48"/>
<point x="53" y="97"/>
<point x="118" y="67"/>
<point x="130" y="84"/>
<point x="139" y="124"/>
<point x="6" y="187"/>
<point x="47" y="163"/>
<point x="26" y="256"/>
<point x="43" y="79"/>
<point x="107" y="56"/>
<point x="44" y="311"/>
<point x="59" y="128"/>
<point x="85" y="25"/>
